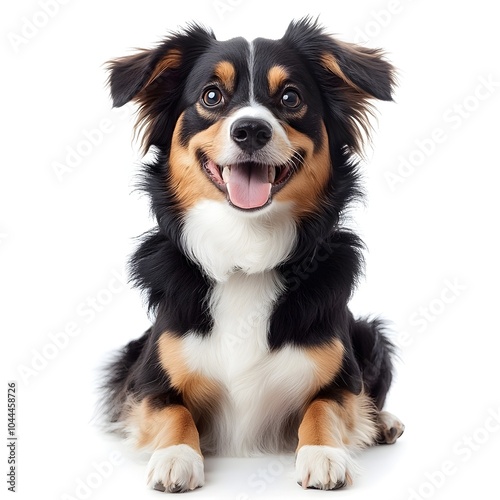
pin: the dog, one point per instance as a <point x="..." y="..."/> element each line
<point x="253" y="151"/>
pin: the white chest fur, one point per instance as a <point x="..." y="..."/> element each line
<point x="262" y="389"/>
<point x="221" y="238"/>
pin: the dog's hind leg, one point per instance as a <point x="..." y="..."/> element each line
<point x="390" y="428"/>
<point x="374" y="351"/>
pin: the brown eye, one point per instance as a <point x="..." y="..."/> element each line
<point x="212" y="97"/>
<point x="290" y="98"/>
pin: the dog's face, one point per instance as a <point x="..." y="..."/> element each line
<point x="254" y="123"/>
<point x="251" y="129"/>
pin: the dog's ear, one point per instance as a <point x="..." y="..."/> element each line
<point x="131" y="74"/>
<point x="362" y="68"/>
<point x="155" y="80"/>
<point x="349" y="76"/>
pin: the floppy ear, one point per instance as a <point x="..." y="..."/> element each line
<point x="129" y="75"/>
<point x="155" y="80"/>
<point x="348" y="75"/>
<point x="362" y="68"/>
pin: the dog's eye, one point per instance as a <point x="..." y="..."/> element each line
<point x="212" y="97"/>
<point x="290" y="98"/>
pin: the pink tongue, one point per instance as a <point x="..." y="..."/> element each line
<point x="249" y="185"/>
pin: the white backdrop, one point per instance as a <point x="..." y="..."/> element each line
<point x="69" y="215"/>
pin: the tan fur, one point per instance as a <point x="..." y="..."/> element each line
<point x="317" y="425"/>
<point x="347" y="422"/>
<point x="358" y="99"/>
<point x="226" y="74"/>
<point x="276" y="77"/>
<point x="198" y="392"/>
<point x="163" y="427"/>
<point x="306" y="188"/>
<point x="204" y="112"/>
<point x="187" y="178"/>
<point x="149" y="95"/>
<point x="328" y="361"/>
<point x="191" y="184"/>
<point x="331" y="64"/>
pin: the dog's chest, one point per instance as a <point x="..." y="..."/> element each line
<point x="261" y="390"/>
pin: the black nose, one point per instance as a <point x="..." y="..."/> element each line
<point x="251" y="134"/>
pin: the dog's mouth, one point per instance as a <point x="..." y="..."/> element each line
<point x="250" y="185"/>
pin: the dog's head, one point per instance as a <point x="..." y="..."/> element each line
<point x="253" y="124"/>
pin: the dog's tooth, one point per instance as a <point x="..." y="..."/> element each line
<point x="226" y="172"/>
<point x="272" y="174"/>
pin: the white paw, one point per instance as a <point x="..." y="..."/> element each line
<point x="175" y="469"/>
<point x="324" y="467"/>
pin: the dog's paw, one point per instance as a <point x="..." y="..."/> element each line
<point x="390" y="428"/>
<point x="324" y="467"/>
<point x="175" y="469"/>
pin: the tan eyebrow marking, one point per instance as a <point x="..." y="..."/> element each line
<point x="276" y="77"/>
<point x="226" y="73"/>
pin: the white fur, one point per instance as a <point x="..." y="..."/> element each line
<point x="222" y="239"/>
<point x="262" y="388"/>
<point x="276" y="152"/>
<point x="177" y="467"/>
<point x="324" y="467"/>
<point x="364" y="431"/>
<point x="251" y="63"/>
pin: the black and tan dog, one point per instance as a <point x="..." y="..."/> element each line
<point x="249" y="270"/>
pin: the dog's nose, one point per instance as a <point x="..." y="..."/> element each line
<point x="251" y="134"/>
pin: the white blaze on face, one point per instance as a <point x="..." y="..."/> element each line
<point x="276" y="152"/>
<point x="249" y="178"/>
<point x="251" y="64"/>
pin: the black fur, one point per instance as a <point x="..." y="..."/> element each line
<point x="373" y="352"/>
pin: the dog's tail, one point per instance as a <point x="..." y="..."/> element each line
<point x="374" y="353"/>
<point x="118" y="376"/>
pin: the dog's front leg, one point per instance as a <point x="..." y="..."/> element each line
<point x="177" y="463"/>
<point x="330" y="430"/>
